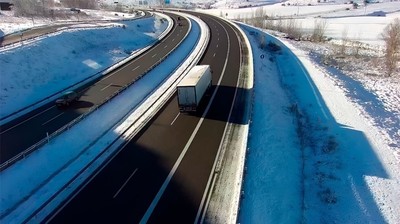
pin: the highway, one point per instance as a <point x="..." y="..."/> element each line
<point x="39" y="31"/>
<point x="162" y="175"/>
<point x="21" y="133"/>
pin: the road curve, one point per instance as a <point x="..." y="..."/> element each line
<point x="161" y="176"/>
<point x="40" y="31"/>
<point x="29" y="129"/>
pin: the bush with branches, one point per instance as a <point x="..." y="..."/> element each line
<point x="318" y="34"/>
<point x="83" y="4"/>
<point x="32" y="7"/>
<point x="391" y="37"/>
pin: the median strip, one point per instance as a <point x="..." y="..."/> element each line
<point x="72" y="174"/>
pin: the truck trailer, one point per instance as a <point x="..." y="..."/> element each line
<point x="192" y="88"/>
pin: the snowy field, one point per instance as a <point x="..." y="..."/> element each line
<point x="331" y="132"/>
<point x="22" y="192"/>
<point x="32" y="72"/>
<point x="10" y="24"/>
<point x="325" y="139"/>
<point x="361" y="24"/>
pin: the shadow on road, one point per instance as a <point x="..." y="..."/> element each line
<point x="221" y="105"/>
<point x="125" y="188"/>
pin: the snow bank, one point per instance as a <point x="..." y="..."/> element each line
<point x="61" y="164"/>
<point x="27" y="81"/>
<point x="312" y="152"/>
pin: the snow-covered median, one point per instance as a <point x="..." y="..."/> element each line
<point x="54" y="166"/>
<point x="39" y="71"/>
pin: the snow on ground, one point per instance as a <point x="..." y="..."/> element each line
<point x="60" y="160"/>
<point x="316" y="140"/>
<point x="365" y="83"/>
<point x="272" y="184"/>
<point x="341" y="151"/>
<point x="333" y="135"/>
<point x="10" y="23"/>
<point x="25" y="81"/>
<point x="361" y="24"/>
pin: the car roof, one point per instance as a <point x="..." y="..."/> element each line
<point x="68" y="92"/>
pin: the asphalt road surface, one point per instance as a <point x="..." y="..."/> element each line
<point x="20" y="134"/>
<point x="39" y="31"/>
<point x="162" y="175"/>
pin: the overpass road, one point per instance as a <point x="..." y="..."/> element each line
<point x="39" y="31"/>
<point x="163" y="174"/>
<point x="29" y="129"/>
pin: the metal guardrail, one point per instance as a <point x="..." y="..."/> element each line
<point x="76" y="85"/>
<point x="42" y="142"/>
<point x="56" y="24"/>
<point x="164" y="97"/>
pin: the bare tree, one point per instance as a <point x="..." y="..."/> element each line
<point x="391" y="36"/>
<point x="357" y="46"/>
<point x="84" y="4"/>
<point x="259" y="17"/>
<point x="293" y="29"/>
<point x="279" y="25"/>
<point x="269" y="23"/>
<point x="28" y="8"/>
<point x="344" y="42"/>
<point x="319" y="30"/>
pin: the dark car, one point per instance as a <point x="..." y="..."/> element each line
<point x="67" y="98"/>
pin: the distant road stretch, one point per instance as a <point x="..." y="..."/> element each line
<point x="163" y="174"/>
<point x="20" y="134"/>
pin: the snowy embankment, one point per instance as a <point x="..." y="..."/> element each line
<point x="226" y="182"/>
<point x="361" y="24"/>
<point x="59" y="167"/>
<point x="12" y="24"/>
<point x="31" y="78"/>
<point x="311" y="150"/>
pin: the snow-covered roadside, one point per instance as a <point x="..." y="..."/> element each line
<point x="365" y="83"/>
<point x="79" y="154"/>
<point x="372" y="177"/>
<point x="27" y="81"/>
<point x="315" y="139"/>
<point x="272" y="175"/>
<point x="11" y="24"/>
<point x="223" y="203"/>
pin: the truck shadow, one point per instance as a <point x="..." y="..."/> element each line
<point x="220" y="108"/>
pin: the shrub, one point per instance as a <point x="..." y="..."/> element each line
<point x="391" y="36"/>
<point x="319" y="30"/>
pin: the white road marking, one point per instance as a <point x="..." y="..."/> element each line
<point x="154" y="55"/>
<point x="106" y="87"/>
<point x="52" y="119"/>
<point x="217" y="45"/>
<point x="211" y="179"/>
<point x="173" y="40"/>
<point x="27" y="120"/>
<point x="156" y="199"/>
<point x="165" y="46"/>
<point x="136" y="68"/>
<point x="175" y="119"/>
<point x="214" y="55"/>
<point x="123" y="185"/>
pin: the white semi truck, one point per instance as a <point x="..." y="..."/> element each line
<point x="192" y="88"/>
